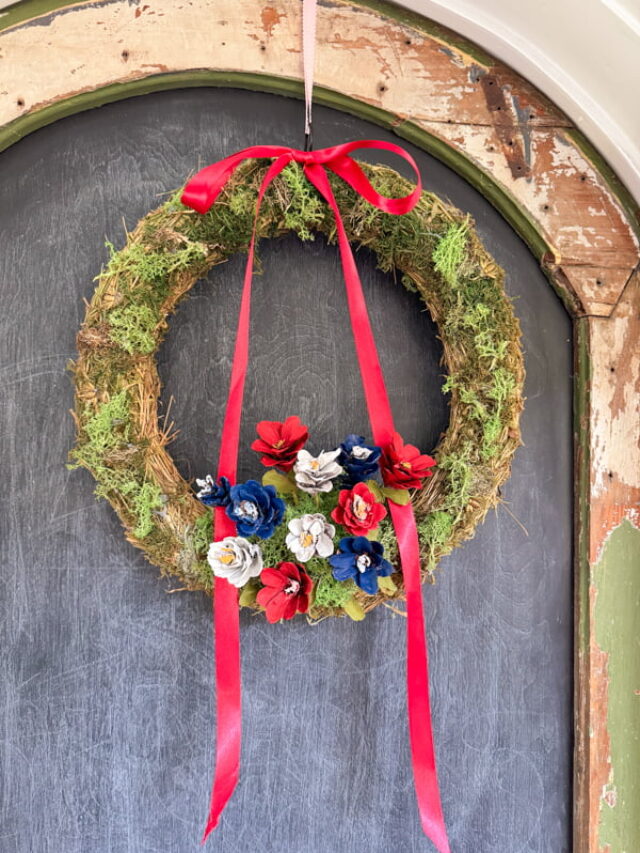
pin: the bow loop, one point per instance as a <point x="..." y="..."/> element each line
<point x="204" y="188"/>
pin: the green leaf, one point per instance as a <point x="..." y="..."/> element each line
<point x="248" y="594"/>
<point x="398" y="496"/>
<point x="283" y="485"/>
<point x="387" y="585"/>
<point x="374" y="488"/>
<point x="354" y="610"/>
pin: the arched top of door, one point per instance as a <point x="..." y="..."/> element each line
<point x="425" y="83"/>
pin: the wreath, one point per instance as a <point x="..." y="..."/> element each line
<point x="330" y="500"/>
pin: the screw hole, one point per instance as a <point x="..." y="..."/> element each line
<point x="263" y="47"/>
<point x="20" y="102"/>
<point x="583" y="178"/>
<point x="382" y="88"/>
<point x="612" y="370"/>
<point x="599" y="282"/>
<point x="407" y="41"/>
<point x="611" y="475"/>
<point x="125" y="55"/>
<point x="545" y="207"/>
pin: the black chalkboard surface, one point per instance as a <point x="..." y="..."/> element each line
<point x="106" y="710"/>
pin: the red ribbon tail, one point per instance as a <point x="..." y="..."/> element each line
<point x="226" y="612"/>
<point x="228" y="700"/>
<point x="418" y="704"/>
<point x="381" y="417"/>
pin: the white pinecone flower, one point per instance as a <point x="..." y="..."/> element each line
<point x="316" y="473"/>
<point x="310" y="536"/>
<point x="235" y="559"/>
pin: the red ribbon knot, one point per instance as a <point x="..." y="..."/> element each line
<point x="201" y="193"/>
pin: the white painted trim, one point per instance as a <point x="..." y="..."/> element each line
<point x="613" y="131"/>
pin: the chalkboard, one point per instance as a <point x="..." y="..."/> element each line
<point x="106" y="735"/>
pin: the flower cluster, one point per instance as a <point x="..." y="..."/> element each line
<point x="324" y="513"/>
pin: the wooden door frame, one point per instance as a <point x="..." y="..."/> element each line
<point x="444" y="94"/>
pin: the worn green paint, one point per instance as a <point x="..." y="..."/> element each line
<point x="17" y="13"/>
<point x="616" y="578"/>
<point x="582" y="478"/>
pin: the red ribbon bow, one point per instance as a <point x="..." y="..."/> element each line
<point x="200" y="194"/>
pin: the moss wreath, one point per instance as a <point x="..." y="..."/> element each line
<point x="437" y="253"/>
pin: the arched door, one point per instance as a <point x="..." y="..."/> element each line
<point x="108" y="713"/>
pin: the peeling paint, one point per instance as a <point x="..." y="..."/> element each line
<point x="616" y="579"/>
<point x="270" y="17"/>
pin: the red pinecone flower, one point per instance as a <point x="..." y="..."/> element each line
<point x="279" y="443"/>
<point x="358" y="510"/>
<point x="285" y="592"/>
<point x="403" y="466"/>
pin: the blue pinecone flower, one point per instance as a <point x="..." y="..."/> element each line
<point x="361" y="560"/>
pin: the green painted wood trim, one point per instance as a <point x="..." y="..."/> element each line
<point x="582" y="627"/>
<point x="616" y="578"/>
<point x="582" y="479"/>
<point x="18" y="13"/>
<point x="500" y="198"/>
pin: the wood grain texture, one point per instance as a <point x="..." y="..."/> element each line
<point x="613" y="496"/>
<point x="107" y="708"/>
<point x="416" y="75"/>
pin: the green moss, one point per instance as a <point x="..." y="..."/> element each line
<point x="139" y="262"/>
<point x="450" y="252"/>
<point x="133" y="328"/>
<point x="387" y="537"/>
<point x="332" y="593"/>
<point x="305" y="210"/>
<point x="503" y="385"/>
<point x="491" y="431"/>
<point x="147" y="500"/>
<point x="274" y="550"/>
<point x="434" y="531"/>
<point x="105" y="430"/>
<point x="202" y="533"/>
<point x="487" y="346"/>
<point x="460" y="474"/>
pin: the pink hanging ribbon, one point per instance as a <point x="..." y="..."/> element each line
<point x="200" y="194"/>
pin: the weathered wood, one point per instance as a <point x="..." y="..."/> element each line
<point x="615" y="418"/>
<point x="610" y="421"/>
<point x="409" y="71"/>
